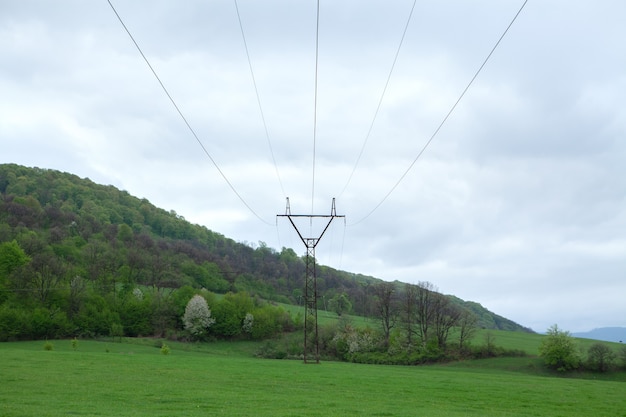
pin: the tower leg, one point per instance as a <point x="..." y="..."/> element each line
<point x="311" y="340"/>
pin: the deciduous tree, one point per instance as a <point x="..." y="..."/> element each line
<point x="386" y="308"/>
<point x="467" y="328"/>
<point x="425" y="308"/>
<point x="340" y="304"/>
<point x="445" y="316"/>
<point x="559" y="350"/>
<point x="408" y="312"/>
<point x="622" y="356"/>
<point x="600" y="357"/>
<point x="197" y="318"/>
<point x="12" y="256"/>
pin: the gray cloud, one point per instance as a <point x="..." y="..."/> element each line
<point x="518" y="203"/>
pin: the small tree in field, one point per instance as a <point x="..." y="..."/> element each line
<point x="340" y="304"/>
<point x="600" y="357"/>
<point x="559" y="350"/>
<point x="622" y="356"/>
<point x="197" y="318"/>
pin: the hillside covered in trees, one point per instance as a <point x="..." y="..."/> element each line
<point x="78" y="258"/>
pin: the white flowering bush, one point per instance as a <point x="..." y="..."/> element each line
<point x="352" y="340"/>
<point x="197" y="318"/>
<point x="248" y="321"/>
<point x="138" y="294"/>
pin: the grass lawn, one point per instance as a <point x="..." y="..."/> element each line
<point x="123" y="379"/>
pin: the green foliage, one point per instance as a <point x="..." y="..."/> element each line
<point x="485" y="318"/>
<point x="48" y="346"/>
<point x="165" y="349"/>
<point x="206" y="275"/>
<point x="271" y="350"/>
<point x="340" y="304"/>
<point x="124" y="233"/>
<point x="489" y="348"/>
<point x="14" y="323"/>
<point x="600" y="357"/>
<point x="230" y="313"/>
<point x="268" y="321"/>
<point x="621" y="354"/>
<point x="18" y="323"/>
<point x="72" y="252"/>
<point x="135" y="315"/>
<point x="12" y="256"/>
<point x="47" y="324"/>
<point x="116" y="331"/>
<point x="96" y="318"/>
<point x="559" y="350"/>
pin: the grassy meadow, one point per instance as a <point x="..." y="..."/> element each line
<point x="135" y="379"/>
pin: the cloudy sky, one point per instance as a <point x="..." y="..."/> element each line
<point x="519" y="201"/>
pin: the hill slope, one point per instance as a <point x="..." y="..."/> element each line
<point x="607" y="334"/>
<point x="77" y="233"/>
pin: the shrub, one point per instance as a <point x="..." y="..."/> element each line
<point x="48" y="346"/>
<point x="270" y="350"/>
<point x="622" y="356"/>
<point x="135" y="315"/>
<point x="49" y="324"/>
<point x="165" y="349"/>
<point x="14" y="323"/>
<point x="248" y="322"/>
<point x="600" y="357"/>
<point x="559" y="351"/>
<point x="269" y="321"/>
<point x="116" y="331"/>
<point x="95" y="318"/>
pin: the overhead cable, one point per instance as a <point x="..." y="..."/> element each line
<point x="258" y="99"/>
<point x="380" y="101"/>
<point x="182" y="116"/>
<point x="445" y="118"/>
<point x="317" y="38"/>
<point x="317" y="41"/>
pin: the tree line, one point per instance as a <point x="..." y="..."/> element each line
<point x="84" y="259"/>
<point x="417" y="324"/>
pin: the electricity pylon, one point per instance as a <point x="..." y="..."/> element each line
<point x="310" y="280"/>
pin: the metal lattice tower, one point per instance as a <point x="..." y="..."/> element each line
<point x="310" y="280"/>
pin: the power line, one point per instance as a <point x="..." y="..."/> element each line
<point x="180" y="113"/>
<point x="446" y="117"/>
<point x="317" y="38"/>
<point x="258" y="98"/>
<point x="380" y="101"/>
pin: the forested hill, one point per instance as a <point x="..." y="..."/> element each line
<point x="73" y="229"/>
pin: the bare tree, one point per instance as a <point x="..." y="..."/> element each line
<point x="445" y="316"/>
<point x="386" y="308"/>
<point x="467" y="328"/>
<point x="78" y="287"/>
<point x="409" y="318"/>
<point x="43" y="275"/>
<point x="425" y="309"/>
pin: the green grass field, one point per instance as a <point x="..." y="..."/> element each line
<point x="135" y="379"/>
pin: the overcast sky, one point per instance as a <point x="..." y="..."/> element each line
<point x="518" y="203"/>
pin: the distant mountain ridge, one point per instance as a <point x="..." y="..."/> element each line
<point x="606" y="334"/>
